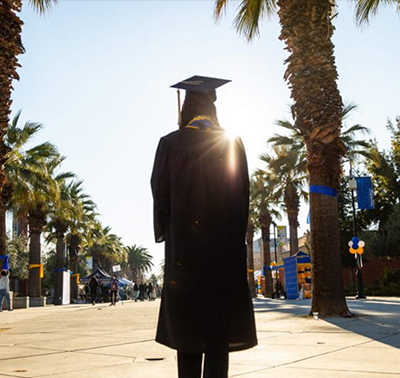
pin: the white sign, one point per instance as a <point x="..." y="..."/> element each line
<point x="116" y="268"/>
<point x="89" y="262"/>
<point x="282" y="240"/>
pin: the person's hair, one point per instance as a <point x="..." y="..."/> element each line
<point x="3" y="272"/>
<point x="196" y="104"/>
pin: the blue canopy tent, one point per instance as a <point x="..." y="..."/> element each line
<point x="124" y="282"/>
<point x="100" y="274"/>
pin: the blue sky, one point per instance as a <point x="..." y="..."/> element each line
<point x="97" y="75"/>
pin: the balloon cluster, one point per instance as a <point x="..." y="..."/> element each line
<point x="356" y="246"/>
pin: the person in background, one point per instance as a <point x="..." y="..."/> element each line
<point x="114" y="290"/>
<point x="142" y="292"/>
<point x="93" y="285"/>
<point x="5" y="290"/>
<point x="135" y="292"/>
<point x="200" y="189"/>
<point x="150" y="290"/>
<point x="87" y="292"/>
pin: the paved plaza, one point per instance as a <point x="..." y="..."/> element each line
<point x="85" y="341"/>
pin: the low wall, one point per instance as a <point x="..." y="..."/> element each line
<point x="20" y="302"/>
<point x="37" y="302"/>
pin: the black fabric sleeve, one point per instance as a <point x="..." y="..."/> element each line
<point x="160" y="186"/>
<point x="245" y="181"/>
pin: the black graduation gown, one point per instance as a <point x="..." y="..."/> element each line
<point x="201" y="191"/>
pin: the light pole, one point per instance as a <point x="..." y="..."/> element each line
<point x="360" y="286"/>
<point x="277" y="285"/>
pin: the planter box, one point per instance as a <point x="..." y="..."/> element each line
<point x="37" y="302"/>
<point x="20" y="302"/>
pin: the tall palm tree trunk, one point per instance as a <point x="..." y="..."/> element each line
<point x="294" y="239"/>
<point x="11" y="46"/>
<point x="250" y="257"/>
<point x="292" y="203"/>
<point x="37" y="220"/>
<point x="307" y="31"/>
<point x="135" y="275"/>
<point x="74" y="246"/>
<point x="35" y="282"/>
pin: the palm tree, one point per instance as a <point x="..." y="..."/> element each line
<point x="82" y="226"/>
<point x="307" y="29"/>
<point x="22" y="166"/>
<point x="139" y="261"/>
<point x="355" y="148"/>
<point x="34" y="201"/>
<point x="43" y="200"/>
<point x="106" y="248"/>
<point x="367" y="8"/>
<point x="70" y="212"/>
<point x="264" y="199"/>
<point x="286" y="171"/>
<point x="11" y="47"/>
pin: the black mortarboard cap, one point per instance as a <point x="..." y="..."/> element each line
<point x="200" y="84"/>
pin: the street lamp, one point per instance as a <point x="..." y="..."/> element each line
<point x="276" y="254"/>
<point x="277" y="285"/>
<point x="355" y="241"/>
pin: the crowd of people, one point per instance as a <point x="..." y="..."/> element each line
<point x="96" y="291"/>
<point x="146" y="291"/>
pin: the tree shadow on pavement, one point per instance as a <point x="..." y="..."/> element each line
<point x="287" y="306"/>
<point x="375" y="318"/>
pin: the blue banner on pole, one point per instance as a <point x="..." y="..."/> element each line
<point x="4" y="262"/>
<point x="365" y="194"/>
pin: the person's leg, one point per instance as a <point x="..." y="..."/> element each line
<point x="2" y="295"/>
<point x="8" y="301"/>
<point x="189" y="365"/>
<point x="216" y="365"/>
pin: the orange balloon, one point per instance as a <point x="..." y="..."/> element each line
<point x="352" y="250"/>
<point x="360" y="250"/>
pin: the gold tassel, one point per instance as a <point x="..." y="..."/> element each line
<point x="179" y="107"/>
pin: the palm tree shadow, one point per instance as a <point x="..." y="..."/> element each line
<point x="376" y="319"/>
<point x="287" y="306"/>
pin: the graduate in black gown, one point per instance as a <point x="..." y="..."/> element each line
<point x="200" y="188"/>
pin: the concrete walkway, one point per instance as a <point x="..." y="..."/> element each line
<point x="85" y="341"/>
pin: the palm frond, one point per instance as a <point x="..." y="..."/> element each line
<point x="42" y="5"/>
<point x="365" y="9"/>
<point x="249" y="16"/>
